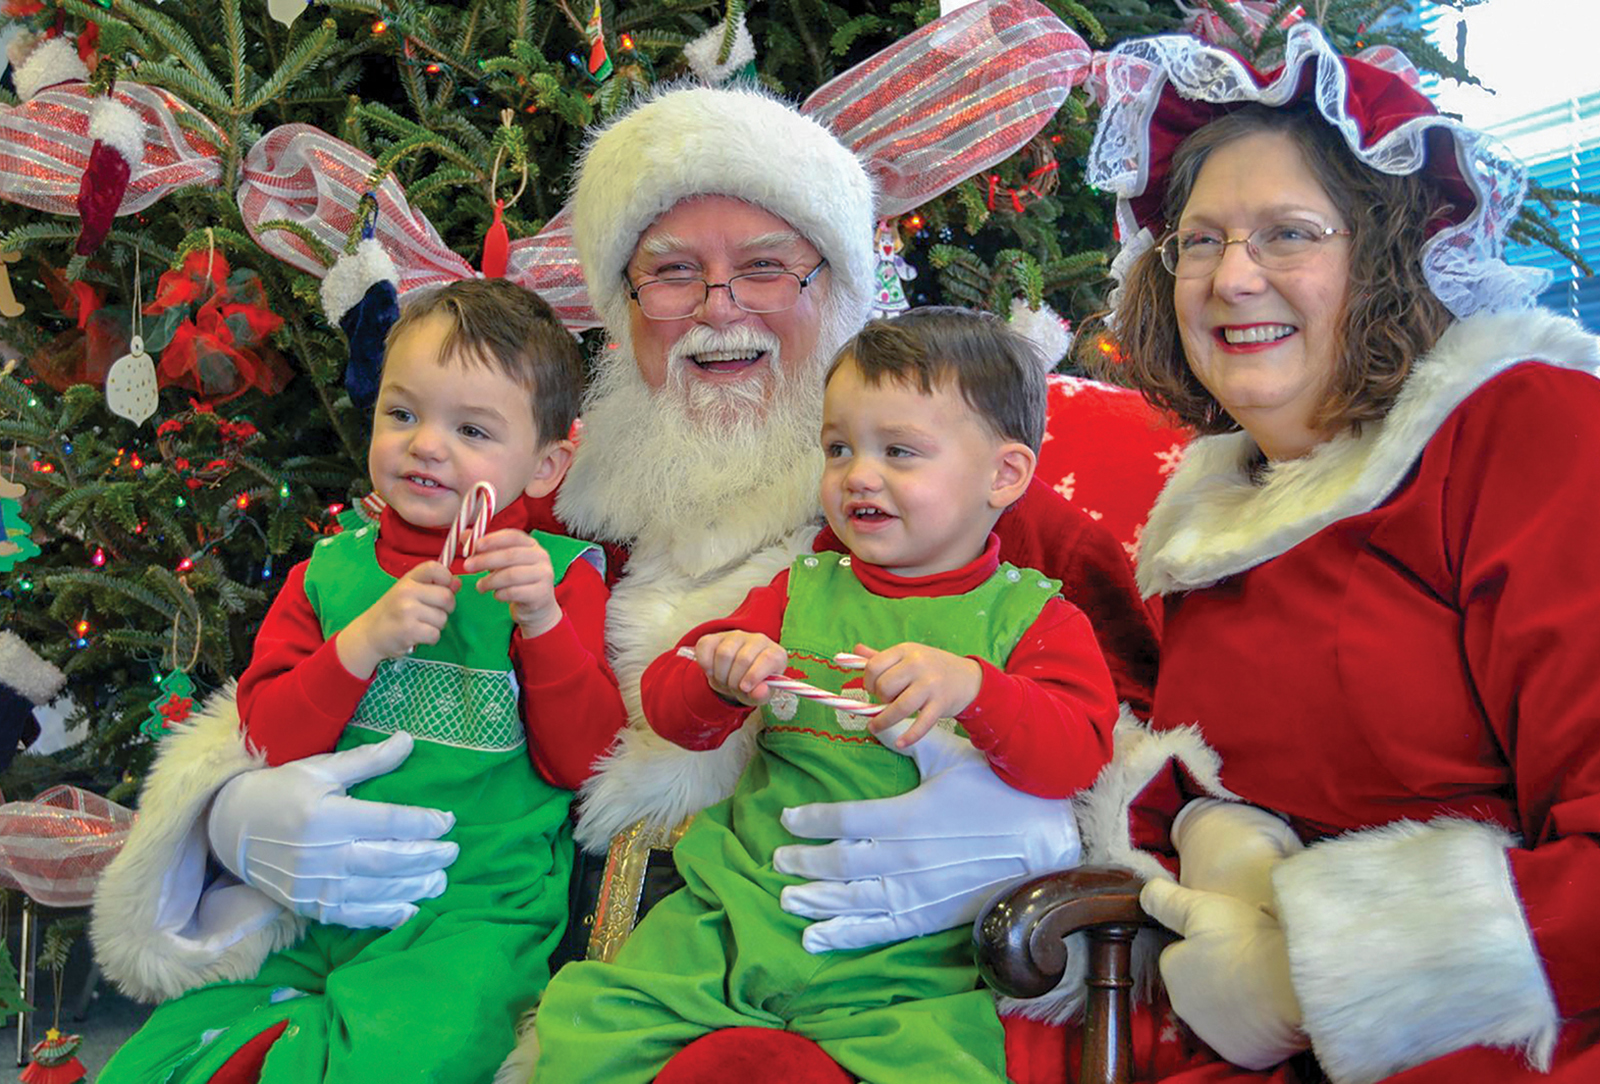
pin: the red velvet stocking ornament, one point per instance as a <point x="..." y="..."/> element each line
<point x="118" y="135"/>
<point x="753" y="1054"/>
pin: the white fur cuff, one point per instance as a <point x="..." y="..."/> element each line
<point x="25" y="671"/>
<point x="1408" y="942"/>
<point x="118" y="127"/>
<point x="350" y="277"/>
<point x="153" y="932"/>
<point x="54" y="60"/>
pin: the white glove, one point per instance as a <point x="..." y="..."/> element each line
<point x="1228" y="979"/>
<point x="1231" y="848"/>
<point x="292" y="833"/>
<point x="923" y="861"/>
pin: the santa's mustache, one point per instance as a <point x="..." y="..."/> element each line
<point x="702" y="344"/>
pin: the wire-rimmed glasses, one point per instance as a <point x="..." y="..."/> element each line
<point x="758" y="292"/>
<point x="1278" y="246"/>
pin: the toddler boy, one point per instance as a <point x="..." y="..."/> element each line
<point x="931" y="427"/>
<point x="495" y="667"/>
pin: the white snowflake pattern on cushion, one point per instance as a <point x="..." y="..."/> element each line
<point x="1068" y="485"/>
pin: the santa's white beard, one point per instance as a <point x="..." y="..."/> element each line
<point x="704" y="472"/>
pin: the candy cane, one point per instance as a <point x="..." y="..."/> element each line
<point x="811" y="692"/>
<point x="471" y="523"/>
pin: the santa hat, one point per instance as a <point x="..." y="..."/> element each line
<point x="736" y="141"/>
<point x="26" y="682"/>
<point x="1156" y="91"/>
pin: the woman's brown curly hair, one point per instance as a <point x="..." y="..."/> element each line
<point x="1390" y="315"/>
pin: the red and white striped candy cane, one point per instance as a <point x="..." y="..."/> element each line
<point x="811" y="692"/>
<point x="471" y="523"/>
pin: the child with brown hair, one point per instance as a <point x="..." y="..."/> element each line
<point x="493" y="664"/>
<point x="931" y="427"/>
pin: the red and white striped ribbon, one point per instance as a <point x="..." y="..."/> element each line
<point x="45" y="144"/>
<point x="953" y="98"/>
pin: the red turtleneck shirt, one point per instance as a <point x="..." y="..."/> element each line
<point x="296" y="697"/>
<point x="1044" y="722"/>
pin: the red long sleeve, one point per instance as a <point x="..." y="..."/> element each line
<point x="678" y="702"/>
<point x="1043" y="532"/>
<point x="296" y="697"/>
<point x="1045" y="722"/>
<point x="570" y="702"/>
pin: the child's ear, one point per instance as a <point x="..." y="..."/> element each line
<point x="554" y="459"/>
<point x="1014" y="464"/>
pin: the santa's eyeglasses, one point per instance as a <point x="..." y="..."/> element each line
<point x="758" y="292"/>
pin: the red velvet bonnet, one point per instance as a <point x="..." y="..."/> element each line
<point x="1157" y="91"/>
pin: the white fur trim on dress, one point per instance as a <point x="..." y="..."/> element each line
<point x="149" y="922"/>
<point x="736" y="141"/>
<point x="52" y="61"/>
<point x="1212" y="521"/>
<point x="1407" y="942"/>
<point x="1139" y="755"/>
<point x="352" y="275"/>
<point x="24" y="670"/>
<point x="118" y="127"/>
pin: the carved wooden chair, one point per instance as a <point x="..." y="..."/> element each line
<point x="1021" y="945"/>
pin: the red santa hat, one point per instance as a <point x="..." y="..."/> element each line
<point x="740" y="142"/>
<point x="1157" y="91"/>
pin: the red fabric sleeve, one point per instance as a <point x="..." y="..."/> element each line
<point x="1521" y="532"/>
<point x="295" y="697"/>
<point x="1043" y="532"/>
<point x="1045" y="722"/>
<point x="571" y="706"/>
<point x="678" y="702"/>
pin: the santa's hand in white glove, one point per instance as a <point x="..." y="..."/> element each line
<point x="294" y="834"/>
<point x="923" y="861"/>
<point x="1231" y="848"/>
<point x="1228" y="979"/>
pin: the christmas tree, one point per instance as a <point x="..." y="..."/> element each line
<point x="162" y="539"/>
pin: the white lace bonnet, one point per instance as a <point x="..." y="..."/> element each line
<point x="1158" y="90"/>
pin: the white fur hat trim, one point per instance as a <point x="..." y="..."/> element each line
<point x="116" y="125"/>
<point x="25" y="671"/>
<point x="54" y="60"/>
<point x="739" y="142"/>
<point x="1043" y="328"/>
<point x="350" y="277"/>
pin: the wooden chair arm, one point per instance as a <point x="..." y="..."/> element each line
<point x="1021" y="947"/>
